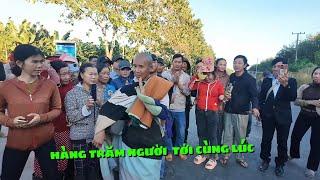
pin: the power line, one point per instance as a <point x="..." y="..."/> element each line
<point x="297" y="43"/>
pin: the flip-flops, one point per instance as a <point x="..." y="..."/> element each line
<point x="183" y="157"/>
<point x="309" y="173"/>
<point x="169" y="157"/>
<point x="199" y="159"/>
<point x="211" y="164"/>
<point x="224" y="161"/>
<point x="242" y="163"/>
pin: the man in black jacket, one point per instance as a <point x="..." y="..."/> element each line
<point x="237" y="108"/>
<point x="274" y="100"/>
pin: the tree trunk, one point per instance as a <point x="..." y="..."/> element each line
<point x="109" y="51"/>
<point x="106" y="44"/>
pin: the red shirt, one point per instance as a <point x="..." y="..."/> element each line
<point x="207" y="94"/>
<point x="60" y="123"/>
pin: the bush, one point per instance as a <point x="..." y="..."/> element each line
<point x="300" y="64"/>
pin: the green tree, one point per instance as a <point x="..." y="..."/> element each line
<point x="163" y="27"/>
<point x="26" y="33"/>
<point x="307" y="49"/>
<point x="263" y="66"/>
<point x="170" y="29"/>
<point x="308" y="55"/>
<point x="108" y="16"/>
<point x="317" y="58"/>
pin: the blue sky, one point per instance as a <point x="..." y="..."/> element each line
<point x="255" y="28"/>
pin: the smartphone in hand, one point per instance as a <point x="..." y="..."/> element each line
<point x="22" y="121"/>
<point x="282" y="72"/>
<point x="283" y="69"/>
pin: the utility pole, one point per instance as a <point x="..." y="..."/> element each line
<point x="297" y="43"/>
<point x="257" y="68"/>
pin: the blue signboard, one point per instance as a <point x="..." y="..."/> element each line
<point x="66" y="47"/>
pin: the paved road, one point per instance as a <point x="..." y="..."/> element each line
<point x="186" y="170"/>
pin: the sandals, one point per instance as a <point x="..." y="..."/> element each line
<point x="169" y="157"/>
<point x="183" y="157"/>
<point x="199" y="159"/>
<point x="211" y="164"/>
<point x="242" y="163"/>
<point x="309" y="173"/>
<point x="224" y="161"/>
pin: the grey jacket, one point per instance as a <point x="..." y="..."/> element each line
<point x="82" y="120"/>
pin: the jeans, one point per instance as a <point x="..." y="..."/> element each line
<point x="179" y="122"/>
<point x="187" y="124"/>
<point x="163" y="168"/>
<point x="168" y="142"/>
<point x="14" y="161"/>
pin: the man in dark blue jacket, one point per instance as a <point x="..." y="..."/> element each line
<point x="274" y="101"/>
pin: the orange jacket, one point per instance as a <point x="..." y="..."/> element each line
<point x="44" y="100"/>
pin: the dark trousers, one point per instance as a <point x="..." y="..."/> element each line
<point x="269" y="125"/>
<point x="69" y="172"/>
<point x="187" y="124"/>
<point x="304" y="122"/>
<point x="220" y="127"/>
<point x="207" y="122"/>
<point x="86" y="168"/>
<point x="13" y="162"/>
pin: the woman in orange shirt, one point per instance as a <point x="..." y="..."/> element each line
<point x="32" y="104"/>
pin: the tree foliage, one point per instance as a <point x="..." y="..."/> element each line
<point x="25" y="33"/>
<point x="308" y="55"/>
<point x="164" y="27"/>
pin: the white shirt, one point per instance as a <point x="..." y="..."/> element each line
<point x="277" y="86"/>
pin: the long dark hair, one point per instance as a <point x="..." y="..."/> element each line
<point x="217" y="62"/>
<point x="21" y="53"/>
<point x="2" y="72"/>
<point x="188" y="65"/>
<point x="314" y="70"/>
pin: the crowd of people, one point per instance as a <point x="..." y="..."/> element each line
<point x="50" y="102"/>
